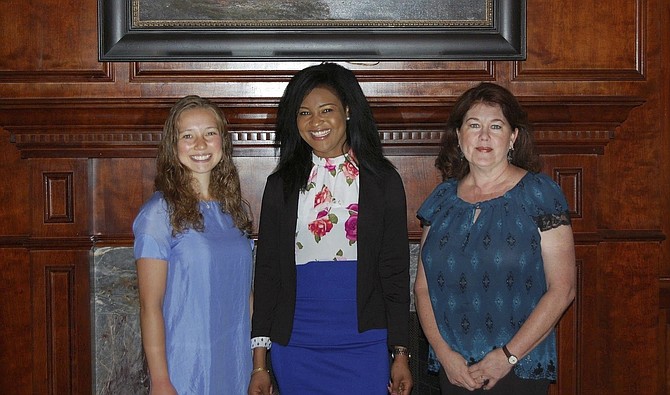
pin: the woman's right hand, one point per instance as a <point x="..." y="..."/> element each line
<point x="456" y="368"/>
<point x="260" y="384"/>
<point x="162" y="387"/>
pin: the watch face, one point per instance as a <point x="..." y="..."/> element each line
<point x="512" y="359"/>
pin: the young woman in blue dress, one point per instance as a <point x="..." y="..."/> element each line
<point x="331" y="297"/>
<point x="194" y="260"/>
<point x="497" y="262"/>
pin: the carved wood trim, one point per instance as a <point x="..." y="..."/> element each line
<point x="58" y="194"/>
<point x="664" y="294"/>
<point x="103" y="74"/>
<point x="387" y="72"/>
<point x="109" y="240"/>
<point x="571" y="182"/>
<point x="581" y="238"/>
<point x="52" y="243"/>
<point x="60" y="291"/>
<point x="81" y="128"/>
<point x="59" y="295"/>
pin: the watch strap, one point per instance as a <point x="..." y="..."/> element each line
<point x="511" y="358"/>
<point x="506" y="351"/>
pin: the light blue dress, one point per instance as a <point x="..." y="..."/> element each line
<point x="206" y="305"/>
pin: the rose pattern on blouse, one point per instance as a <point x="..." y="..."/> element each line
<point x="324" y="196"/>
<point x="330" y="166"/>
<point x="329" y="230"/>
<point x="322" y="224"/>
<point x="349" y="170"/>
<point x="310" y="181"/>
<point x="351" y="225"/>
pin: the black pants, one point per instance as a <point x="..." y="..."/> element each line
<point x="508" y="385"/>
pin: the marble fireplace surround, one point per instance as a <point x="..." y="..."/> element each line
<point x="119" y="365"/>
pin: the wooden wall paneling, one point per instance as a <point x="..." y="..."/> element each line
<point x="590" y="339"/>
<point x="79" y="136"/>
<point x="664" y="336"/>
<point x="50" y="41"/>
<point x="565" y="41"/>
<point x="84" y="127"/>
<point x="570" y="327"/>
<point x="16" y="321"/>
<point x="61" y="322"/>
<point x="664" y="179"/>
<point x="267" y="80"/>
<point x="15" y="191"/>
<point x="386" y="71"/>
<point x="664" y="156"/>
<point x="628" y="174"/>
<point x="119" y="187"/>
<point x="253" y="172"/>
<point x="420" y="177"/>
<point x="620" y="320"/>
<point x="60" y="199"/>
<point x="578" y="177"/>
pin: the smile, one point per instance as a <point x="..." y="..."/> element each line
<point x="201" y="157"/>
<point x="320" y="133"/>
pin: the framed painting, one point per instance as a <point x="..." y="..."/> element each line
<point x="272" y="30"/>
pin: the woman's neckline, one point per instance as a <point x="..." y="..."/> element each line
<point x="209" y="203"/>
<point x="492" y="198"/>
<point x="316" y="159"/>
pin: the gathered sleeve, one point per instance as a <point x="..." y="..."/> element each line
<point x="434" y="203"/>
<point x="545" y="202"/>
<point x="152" y="230"/>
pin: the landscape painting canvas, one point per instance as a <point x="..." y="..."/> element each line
<point x="167" y="13"/>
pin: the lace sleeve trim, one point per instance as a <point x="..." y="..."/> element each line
<point x="551" y="221"/>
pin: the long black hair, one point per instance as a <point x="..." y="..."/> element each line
<point x="295" y="157"/>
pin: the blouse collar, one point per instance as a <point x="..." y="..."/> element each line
<point x="335" y="161"/>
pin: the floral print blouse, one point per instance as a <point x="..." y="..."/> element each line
<point x="328" y="212"/>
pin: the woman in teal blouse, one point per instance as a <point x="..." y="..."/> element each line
<point x="497" y="264"/>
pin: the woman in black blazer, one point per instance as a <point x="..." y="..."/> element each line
<point x="332" y="267"/>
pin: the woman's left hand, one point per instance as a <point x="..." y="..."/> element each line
<point x="491" y="369"/>
<point x="401" y="377"/>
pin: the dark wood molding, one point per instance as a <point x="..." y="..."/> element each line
<point x="96" y="128"/>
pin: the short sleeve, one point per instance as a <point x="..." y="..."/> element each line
<point x="550" y="208"/>
<point x="435" y="201"/>
<point x="152" y="230"/>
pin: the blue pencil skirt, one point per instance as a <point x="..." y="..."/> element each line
<point x="326" y="354"/>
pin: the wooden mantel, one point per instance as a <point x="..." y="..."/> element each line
<point x="124" y="128"/>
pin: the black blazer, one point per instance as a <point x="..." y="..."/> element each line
<point x="382" y="287"/>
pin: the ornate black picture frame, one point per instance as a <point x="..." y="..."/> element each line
<point x="500" y="34"/>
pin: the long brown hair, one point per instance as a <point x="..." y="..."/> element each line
<point x="175" y="181"/>
<point x="450" y="161"/>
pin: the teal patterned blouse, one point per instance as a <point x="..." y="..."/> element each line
<point x="485" y="277"/>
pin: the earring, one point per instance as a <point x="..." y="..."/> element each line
<point x="510" y="154"/>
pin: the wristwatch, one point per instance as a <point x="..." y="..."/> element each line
<point x="512" y="359"/>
